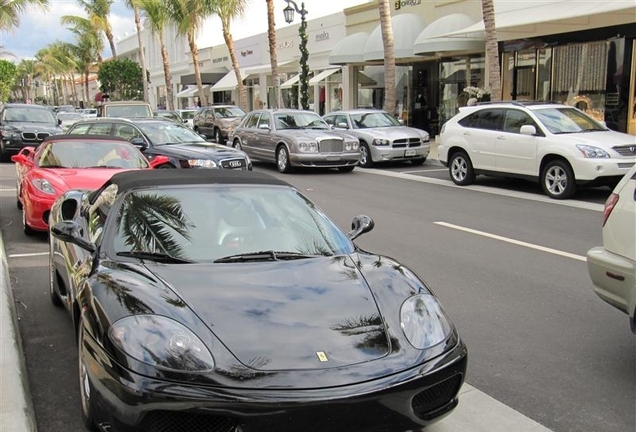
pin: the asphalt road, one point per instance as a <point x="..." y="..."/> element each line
<point x="507" y="264"/>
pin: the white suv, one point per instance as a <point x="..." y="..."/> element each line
<point x="612" y="267"/>
<point x="558" y="145"/>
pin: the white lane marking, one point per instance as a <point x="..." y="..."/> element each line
<point x="422" y="171"/>
<point x="28" y="255"/>
<point x="513" y="241"/>
<point x="490" y="190"/>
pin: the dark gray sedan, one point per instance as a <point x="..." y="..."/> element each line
<point x="294" y="138"/>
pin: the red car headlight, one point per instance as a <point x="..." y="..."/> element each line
<point x="43" y="186"/>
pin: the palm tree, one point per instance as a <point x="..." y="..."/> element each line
<point x="273" y="54"/>
<point x="157" y="18"/>
<point x="87" y="50"/>
<point x="227" y="10"/>
<point x="10" y="11"/>
<point x="188" y="17"/>
<point x="142" y="54"/>
<point x="83" y="28"/>
<point x="389" y="56"/>
<point x="26" y="74"/>
<point x="492" y="50"/>
<point x="98" y="11"/>
<point x="60" y="62"/>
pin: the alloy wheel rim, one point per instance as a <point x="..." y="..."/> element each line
<point x="84" y="384"/>
<point x="282" y="159"/>
<point x="556" y="180"/>
<point x="364" y="155"/>
<point x="459" y="169"/>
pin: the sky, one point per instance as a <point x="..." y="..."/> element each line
<point x="38" y="29"/>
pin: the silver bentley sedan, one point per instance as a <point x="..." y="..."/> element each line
<point x="294" y="138"/>
<point x="382" y="137"/>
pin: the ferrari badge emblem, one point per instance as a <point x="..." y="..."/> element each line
<point x="322" y="356"/>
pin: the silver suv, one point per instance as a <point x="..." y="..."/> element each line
<point x="217" y="121"/>
<point x="612" y="267"/>
<point x="557" y="145"/>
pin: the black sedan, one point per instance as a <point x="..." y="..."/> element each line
<point x="223" y="300"/>
<point x="157" y="136"/>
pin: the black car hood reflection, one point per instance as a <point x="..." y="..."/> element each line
<point x="51" y="128"/>
<point x="285" y="315"/>
<point x="199" y="150"/>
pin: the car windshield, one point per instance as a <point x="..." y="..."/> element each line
<point x="167" y="132"/>
<point x="90" y="154"/>
<point x="127" y="111"/>
<point x="228" y="112"/>
<point x="299" y="120"/>
<point x="567" y="120"/>
<point x="29" y="115"/>
<point x="373" y="120"/>
<point x="210" y="223"/>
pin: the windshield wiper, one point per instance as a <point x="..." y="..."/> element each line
<point x="263" y="256"/>
<point x="154" y="256"/>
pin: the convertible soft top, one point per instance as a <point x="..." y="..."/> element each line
<point x="169" y="177"/>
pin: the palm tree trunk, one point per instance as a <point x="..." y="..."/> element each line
<point x="87" y="101"/>
<point x="111" y="41"/>
<point x="273" y="54"/>
<point x="389" y="56"/>
<point x="242" y="90"/>
<point x="492" y="50"/>
<point x="142" y="54"/>
<point x="166" y="71"/>
<point x="197" y="68"/>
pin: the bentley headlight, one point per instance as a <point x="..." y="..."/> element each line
<point x="380" y="142"/>
<point x="308" y="147"/>
<point x="161" y="342"/>
<point x="423" y="321"/>
<point x="43" y="186"/>
<point x="202" y="163"/>
<point x="592" y="152"/>
<point x="351" y="145"/>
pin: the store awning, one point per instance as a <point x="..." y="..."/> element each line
<point x="517" y="19"/>
<point x="188" y="92"/>
<point x="406" y="28"/>
<point x="267" y="68"/>
<point x="290" y="82"/>
<point x="323" y="76"/>
<point x="430" y="41"/>
<point x="365" y="80"/>
<point x="349" y="50"/>
<point x="228" y="82"/>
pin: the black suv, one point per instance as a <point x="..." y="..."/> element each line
<point x="23" y="125"/>
<point x="162" y="137"/>
<point x="217" y="121"/>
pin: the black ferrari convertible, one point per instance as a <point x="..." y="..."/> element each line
<point x="225" y="301"/>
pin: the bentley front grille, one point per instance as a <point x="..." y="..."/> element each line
<point x="330" y="146"/>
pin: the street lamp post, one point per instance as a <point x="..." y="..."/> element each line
<point x="304" y="54"/>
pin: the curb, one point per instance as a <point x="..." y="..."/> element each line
<point x="16" y="408"/>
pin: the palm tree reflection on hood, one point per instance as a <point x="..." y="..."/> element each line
<point x="151" y="222"/>
<point x="371" y="332"/>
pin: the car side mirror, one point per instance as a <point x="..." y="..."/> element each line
<point x="24" y="156"/>
<point x="359" y="225"/>
<point x="264" y="127"/>
<point x="69" y="231"/>
<point x="528" y="130"/>
<point x="140" y="143"/>
<point x="343" y="125"/>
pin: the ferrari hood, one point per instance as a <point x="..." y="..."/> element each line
<point x="285" y="315"/>
<point x="66" y="179"/>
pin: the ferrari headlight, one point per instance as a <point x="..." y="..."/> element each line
<point x="423" y="321"/>
<point x="161" y="342"/>
<point x="43" y="186"/>
<point x="351" y="145"/>
<point x="592" y="152"/>
<point x="308" y="147"/>
<point x="380" y="142"/>
<point x="202" y="163"/>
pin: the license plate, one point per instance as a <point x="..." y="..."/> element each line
<point x="409" y="152"/>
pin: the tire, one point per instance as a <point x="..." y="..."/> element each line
<point x="282" y="159"/>
<point x="53" y="287"/>
<point x="166" y="166"/>
<point x="557" y="180"/>
<point x="346" y="169"/>
<point x="365" y="156"/>
<point x="18" y="203"/>
<point x="237" y="144"/>
<point x="86" y="388"/>
<point x="25" y="226"/>
<point x="217" y="136"/>
<point x="419" y="161"/>
<point x="461" y="169"/>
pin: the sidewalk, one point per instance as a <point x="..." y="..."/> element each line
<point x="476" y="412"/>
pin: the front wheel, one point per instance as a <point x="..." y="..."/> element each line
<point x="237" y="144"/>
<point x="53" y="285"/>
<point x="25" y="225"/>
<point x="557" y="180"/>
<point x="165" y="166"/>
<point x="86" y="388"/>
<point x="365" y="156"/>
<point x="217" y="136"/>
<point x="282" y="160"/>
<point x="461" y="169"/>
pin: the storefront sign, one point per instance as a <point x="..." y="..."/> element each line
<point x="285" y="44"/>
<point x="611" y="99"/>
<point x="399" y="4"/>
<point x="323" y="36"/>
<point x="220" y="59"/>
<point x="246" y="53"/>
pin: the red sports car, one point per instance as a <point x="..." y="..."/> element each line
<point x="64" y="162"/>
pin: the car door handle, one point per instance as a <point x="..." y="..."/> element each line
<point x="501" y="137"/>
<point x="466" y="134"/>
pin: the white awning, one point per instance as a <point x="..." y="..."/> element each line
<point x="430" y="40"/>
<point x="349" y="50"/>
<point x="228" y="82"/>
<point x="188" y="92"/>
<point x="290" y="82"/>
<point x="267" y="68"/>
<point x="323" y="76"/>
<point x="365" y="80"/>
<point x="514" y="19"/>
<point x="406" y="28"/>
